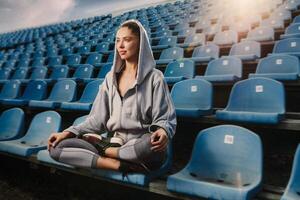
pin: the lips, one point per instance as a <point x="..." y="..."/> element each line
<point x="122" y="52"/>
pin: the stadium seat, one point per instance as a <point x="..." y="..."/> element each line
<point x="224" y="69"/>
<point x="276" y="23"/>
<point x="73" y="60"/>
<point x="12" y="124"/>
<point x="38" y="62"/>
<point x="20" y="73"/>
<point x="179" y="70"/>
<point x="166" y="42"/>
<point x="87" y="98"/>
<point x="63" y="91"/>
<point x="94" y="59"/>
<point x="246" y="50"/>
<point x="82" y="72"/>
<point x="226" y="163"/>
<point x="58" y="72"/>
<point x="193" y="40"/>
<point x="101" y="74"/>
<point x="192" y="98"/>
<point x="37" y="73"/>
<point x="35" y="90"/>
<point x="35" y="139"/>
<point x="44" y="156"/>
<point x="292" y="31"/>
<point x="289" y="46"/>
<point x="53" y="61"/>
<point x="260" y="34"/>
<point x="10" y="89"/>
<point x="255" y="100"/>
<point x="103" y="47"/>
<point x="228" y="37"/>
<point x="67" y="51"/>
<point x="292" y="190"/>
<point x="23" y="63"/>
<point x="4" y="75"/>
<point x="84" y="49"/>
<point x="169" y="55"/>
<point x="206" y="53"/>
<point x="278" y="66"/>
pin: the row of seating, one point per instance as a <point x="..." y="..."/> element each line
<point x="232" y="171"/>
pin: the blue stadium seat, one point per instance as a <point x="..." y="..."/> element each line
<point x="94" y="59"/>
<point x="289" y="46"/>
<point x="101" y="74"/>
<point x="58" y="72"/>
<point x="4" y="75"/>
<point x="259" y="34"/>
<point x="292" y="190"/>
<point x="82" y="72"/>
<point x="206" y="53"/>
<point x="37" y="73"/>
<point x="20" y="73"/>
<point x="87" y="98"/>
<point x="193" y="40"/>
<point x="23" y="63"/>
<point x="67" y="51"/>
<point x="52" y="61"/>
<point x="185" y="32"/>
<point x="12" y="124"/>
<point x="255" y="100"/>
<point x="169" y="55"/>
<point x="63" y="91"/>
<point x="38" y="62"/>
<point x="35" y="90"/>
<point x="35" y="139"/>
<point x="292" y="31"/>
<point x="103" y="47"/>
<point x="73" y="60"/>
<point x="193" y="98"/>
<point x="278" y="66"/>
<point x="44" y="156"/>
<point x="228" y="37"/>
<point x="84" y="49"/>
<point x="166" y="42"/>
<point x="179" y="70"/>
<point x="226" y="163"/>
<point x="10" y="89"/>
<point x="276" y="23"/>
<point x="227" y="68"/>
<point x="246" y="50"/>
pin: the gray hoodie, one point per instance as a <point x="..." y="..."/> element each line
<point x="145" y="107"/>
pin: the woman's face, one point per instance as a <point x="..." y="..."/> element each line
<point x="127" y="44"/>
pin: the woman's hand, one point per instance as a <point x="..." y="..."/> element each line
<point x="159" y="140"/>
<point x="55" y="138"/>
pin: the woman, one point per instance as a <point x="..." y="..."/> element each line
<point x="133" y="103"/>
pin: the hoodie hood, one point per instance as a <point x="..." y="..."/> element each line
<point x="146" y="60"/>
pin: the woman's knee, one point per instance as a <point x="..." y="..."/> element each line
<point x="55" y="152"/>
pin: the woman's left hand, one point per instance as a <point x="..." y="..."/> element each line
<point x="159" y="140"/>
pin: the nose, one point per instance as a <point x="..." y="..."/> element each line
<point x="121" y="44"/>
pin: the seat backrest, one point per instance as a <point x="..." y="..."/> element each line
<point x="225" y="65"/>
<point x="38" y="62"/>
<point x="293" y="29"/>
<point x="103" y="46"/>
<point x="104" y="70"/>
<point x="84" y="71"/>
<point x="12" y="123"/>
<point x="211" y="50"/>
<point x="63" y="91"/>
<point x="84" y="49"/>
<point x="110" y="58"/>
<point x="185" y="68"/>
<point x="278" y="64"/>
<point x="94" y="58"/>
<point x="172" y="53"/>
<point x="257" y="95"/>
<point x="20" y="73"/>
<point x="193" y="93"/>
<point x="261" y="31"/>
<point x="288" y="45"/>
<point x="245" y="48"/>
<point x="185" y="32"/>
<point x="169" y="40"/>
<point x="199" y="37"/>
<point x="4" y="74"/>
<point x="39" y="73"/>
<point x="227" y="153"/>
<point x="41" y="126"/>
<point x="67" y="51"/>
<point x="23" y="63"/>
<point x="52" y="61"/>
<point x="73" y="59"/>
<point x="226" y="37"/>
<point x="61" y="71"/>
<point x="10" y="90"/>
<point x="35" y="90"/>
<point x="90" y="91"/>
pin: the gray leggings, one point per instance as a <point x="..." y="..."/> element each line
<point x="80" y="153"/>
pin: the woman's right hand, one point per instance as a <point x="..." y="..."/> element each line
<point x="55" y="138"/>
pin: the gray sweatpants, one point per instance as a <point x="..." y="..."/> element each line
<point x="80" y="153"/>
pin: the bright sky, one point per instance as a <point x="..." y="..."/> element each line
<point x="16" y="14"/>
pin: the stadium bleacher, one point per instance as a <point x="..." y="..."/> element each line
<point x="234" y="79"/>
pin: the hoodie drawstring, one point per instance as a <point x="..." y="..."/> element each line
<point x="137" y="107"/>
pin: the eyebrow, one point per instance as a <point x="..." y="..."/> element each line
<point x="126" y="37"/>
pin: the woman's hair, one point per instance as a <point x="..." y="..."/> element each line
<point x="133" y="27"/>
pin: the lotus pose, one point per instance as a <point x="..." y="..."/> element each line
<point x="133" y="106"/>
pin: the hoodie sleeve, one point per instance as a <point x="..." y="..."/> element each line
<point x="163" y="111"/>
<point x="98" y="116"/>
